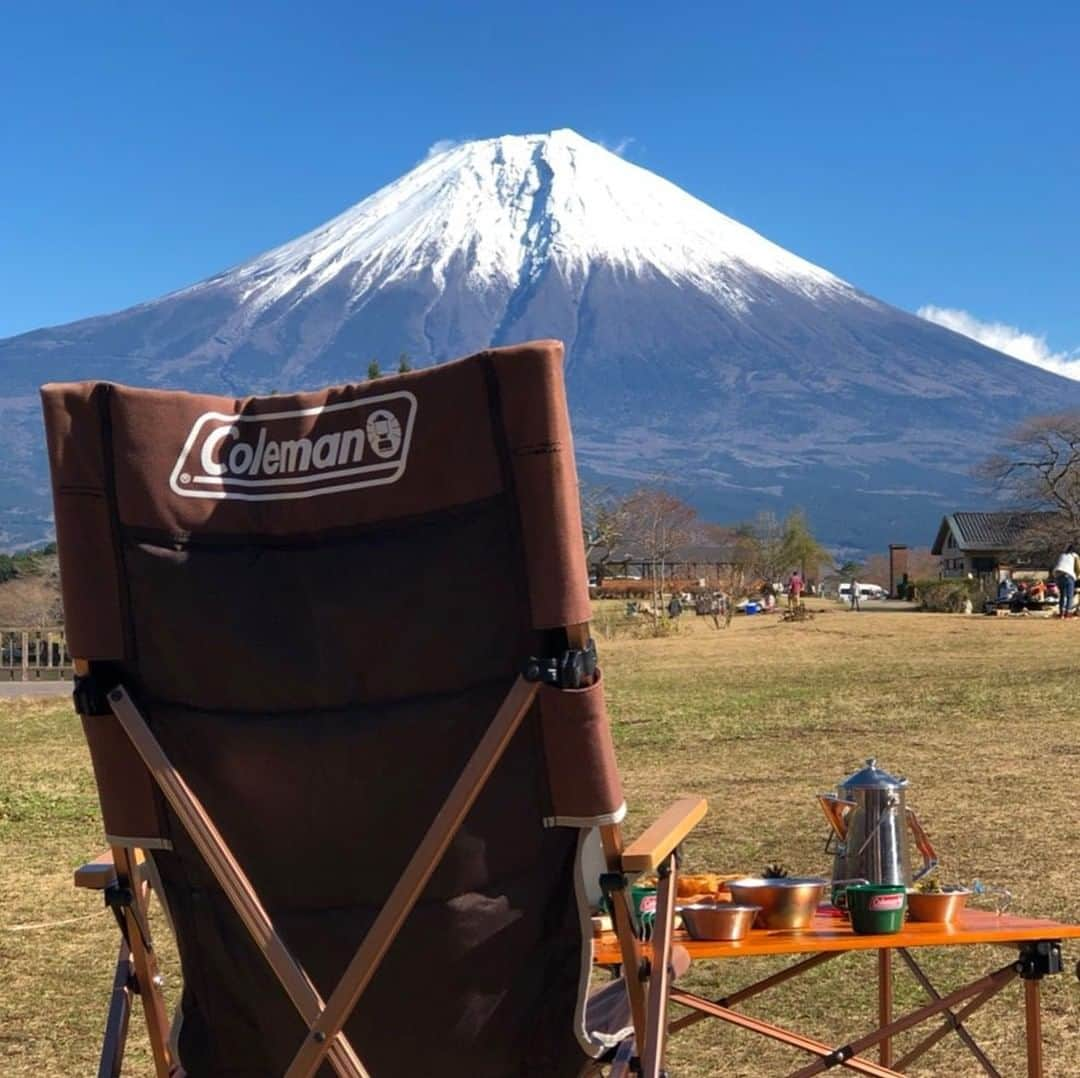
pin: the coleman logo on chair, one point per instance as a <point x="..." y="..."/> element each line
<point x="297" y="454"/>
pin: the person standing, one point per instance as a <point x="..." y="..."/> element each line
<point x="1066" y="570"/>
<point x="768" y="595"/>
<point x="795" y="590"/>
<point x="855" y="595"/>
<point x="1006" y="589"/>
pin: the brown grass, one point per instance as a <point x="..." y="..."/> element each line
<point x="978" y="712"/>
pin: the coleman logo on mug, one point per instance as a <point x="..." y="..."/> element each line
<point x="297" y="454"/>
<point x="886" y="903"/>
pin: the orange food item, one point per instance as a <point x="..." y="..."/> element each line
<point x="698" y="884"/>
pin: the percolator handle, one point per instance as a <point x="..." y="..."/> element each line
<point x="923" y="845"/>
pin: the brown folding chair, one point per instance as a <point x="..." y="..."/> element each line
<point x="346" y="722"/>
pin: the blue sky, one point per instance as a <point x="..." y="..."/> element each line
<point x="929" y="153"/>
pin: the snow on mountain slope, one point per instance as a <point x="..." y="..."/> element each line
<point x="489" y="219"/>
<point x="510" y="206"/>
<point x="697" y="349"/>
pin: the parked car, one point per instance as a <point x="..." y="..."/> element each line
<point x="866" y="591"/>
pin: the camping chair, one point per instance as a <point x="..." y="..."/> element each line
<point x="346" y="722"/>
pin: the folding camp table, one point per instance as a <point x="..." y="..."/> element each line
<point x="1038" y="945"/>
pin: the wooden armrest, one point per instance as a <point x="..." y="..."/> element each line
<point x="658" y="841"/>
<point x="96" y="875"/>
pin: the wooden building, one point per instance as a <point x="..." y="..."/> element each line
<point x="987" y="544"/>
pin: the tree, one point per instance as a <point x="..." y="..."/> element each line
<point x="659" y="522"/>
<point x="604" y="523"/>
<point x="922" y="565"/>
<point x="770" y="548"/>
<point x="739" y="540"/>
<point x="876" y="570"/>
<point x="1038" y="468"/>
<point x="373" y="369"/>
<point x="766" y="535"/>
<point x="800" y="548"/>
<point x="404" y="365"/>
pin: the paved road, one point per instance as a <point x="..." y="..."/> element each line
<point x="14" y="690"/>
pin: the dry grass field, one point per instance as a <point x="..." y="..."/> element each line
<point x="979" y="713"/>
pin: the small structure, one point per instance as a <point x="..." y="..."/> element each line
<point x="898" y="570"/>
<point x="712" y="563"/>
<point x="985" y="544"/>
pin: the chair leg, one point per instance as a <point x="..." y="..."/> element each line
<point x="652" y="1060"/>
<point x="144" y="959"/>
<point x="116" y="1024"/>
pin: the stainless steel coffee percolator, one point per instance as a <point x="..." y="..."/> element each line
<point x="869" y="838"/>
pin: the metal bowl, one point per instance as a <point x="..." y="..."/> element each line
<point x="718" y="920"/>
<point x="786" y="903"/>
<point x="939" y="906"/>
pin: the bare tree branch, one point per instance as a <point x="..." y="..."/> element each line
<point x="1038" y="468"/>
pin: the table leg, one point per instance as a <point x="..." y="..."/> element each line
<point x="884" y="996"/>
<point x="953" y="1021"/>
<point x="1033" y="1016"/>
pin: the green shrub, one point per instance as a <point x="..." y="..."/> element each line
<point x="948" y="596"/>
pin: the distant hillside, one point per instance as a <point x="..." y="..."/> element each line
<point x="30" y="590"/>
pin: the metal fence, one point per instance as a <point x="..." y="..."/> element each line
<point x="34" y="654"/>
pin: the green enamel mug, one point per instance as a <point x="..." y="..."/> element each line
<point x="876" y="909"/>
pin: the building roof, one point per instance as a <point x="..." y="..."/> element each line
<point x="989" y="532"/>
<point x="701" y="554"/>
<point x="706" y="554"/>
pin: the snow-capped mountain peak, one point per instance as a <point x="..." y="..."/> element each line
<point x="503" y="209"/>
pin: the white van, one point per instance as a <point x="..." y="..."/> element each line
<point x="866" y="591"/>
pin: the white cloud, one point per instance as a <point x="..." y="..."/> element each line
<point x="1011" y="340"/>
<point x="441" y="146"/>
<point x="619" y="147"/>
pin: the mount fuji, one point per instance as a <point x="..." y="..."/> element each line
<point x="699" y="353"/>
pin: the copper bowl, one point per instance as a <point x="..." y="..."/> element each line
<point x="786" y="903"/>
<point x="942" y="907"/>
<point x="718" y="920"/>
